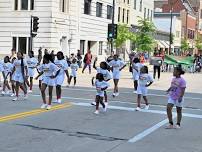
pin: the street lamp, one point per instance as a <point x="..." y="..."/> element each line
<point x="113" y="16"/>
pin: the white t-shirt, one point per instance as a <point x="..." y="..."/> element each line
<point x="17" y="65"/>
<point x="144" y="79"/>
<point x="136" y="70"/>
<point x="74" y="67"/>
<point x="32" y="62"/>
<point x="116" y="65"/>
<point x="107" y="75"/>
<point x="62" y="65"/>
<point x="100" y="85"/>
<point x="8" y="67"/>
<point x="49" y="69"/>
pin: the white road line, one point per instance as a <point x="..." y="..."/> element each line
<point x="148" y="131"/>
<point x="122" y="102"/>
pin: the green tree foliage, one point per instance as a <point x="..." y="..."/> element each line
<point x="184" y="45"/>
<point x="123" y="35"/>
<point x="199" y="43"/>
<point x="145" y="36"/>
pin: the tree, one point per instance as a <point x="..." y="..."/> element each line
<point x="145" y="36"/>
<point x="123" y="35"/>
<point x="199" y="43"/>
<point x="184" y="45"/>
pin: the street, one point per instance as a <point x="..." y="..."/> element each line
<point x="73" y="127"/>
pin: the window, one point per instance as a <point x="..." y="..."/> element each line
<point x="64" y="5"/>
<point x="100" y="48"/>
<point x="151" y="15"/>
<point x="109" y="12"/>
<point x="145" y="11"/>
<point x="178" y="34"/>
<point x="123" y="17"/>
<point x="99" y="9"/>
<point x="140" y="5"/>
<point x="128" y="1"/>
<point x="135" y="4"/>
<point x="119" y="14"/>
<point x="87" y="7"/>
<point x="201" y="14"/>
<point x="23" y="4"/>
<point x="82" y="46"/>
<point x="148" y="11"/>
<point x="21" y="44"/>
<point x="128" y="14"/>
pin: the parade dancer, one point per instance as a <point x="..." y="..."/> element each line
<point x="74" y="67"/>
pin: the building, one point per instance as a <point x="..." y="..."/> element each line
<point x="66" y="25"/>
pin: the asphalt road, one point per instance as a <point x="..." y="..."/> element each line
<point x="73" y="127"/>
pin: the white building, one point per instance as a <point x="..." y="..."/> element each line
<point x="66" y="25"/>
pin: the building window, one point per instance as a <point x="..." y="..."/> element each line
<point x="128" y="15"/>
<point x="82" y="46"/>
<point x="23" y="4"/>
<point x="135" y="4"/>
<point x="109" y="12"/>
<point x="151" y="15"/>
<point x="21" y="44"/>
<point x="98" y="9"/>
<point x="64" y="5"/>
<point x="140" y="5"/>
<point x="87" y="7"/>
<point x="201" y="14"/>
<point x="148" y="11"/>
<point x="123" y="17"/>
<point x="128" y="1"/>
<point x="119" y="14"/>
<point x="100" y="48"/>
<point x="145" y="12"/>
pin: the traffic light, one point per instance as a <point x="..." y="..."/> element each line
<point x="112" y="31"/>
<point x="35" y="24"/>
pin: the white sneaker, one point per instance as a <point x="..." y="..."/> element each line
<point x="146" y="107"/>
<point x="3" y="92"/>
<point x="59" y="101"/>
<point x="135" y="92"/>
<point x="177" y="126"/>
<point x="48" y="107"/>
<point x="8" y="92"/>
<point x="96" y="112"/>
<point x="43" y="106"/>
<point x="117" y="94"/>
<point x="13" y="94"/>
<point x="55" y="101"/>
<point x="93" y="103"/>
<point x="114" y="94"/>
<point x="25" y="96"/>
<point x="106" y="104"/>
<point x="138" y="109"/>
<point x="15" y="99"/>
<point x="105" y="109"/>
<point x="30" y="91"/>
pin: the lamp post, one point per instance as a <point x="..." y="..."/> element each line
<point x="113" y="16"/>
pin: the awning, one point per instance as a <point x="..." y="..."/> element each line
<point x="165" y="44"/>
<point x="160" y="45"/>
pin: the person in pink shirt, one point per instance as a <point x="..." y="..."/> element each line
<point x="87" y="61"/>
<point x="176" y="94"/>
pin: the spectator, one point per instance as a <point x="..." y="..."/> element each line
<point x="157" y="67"/>
<point x="79" y="58"/>
<point x="87" y="61"/>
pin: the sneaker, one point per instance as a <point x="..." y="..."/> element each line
<point x="138" y="109"/>
<point x="55" y="101"/>
<point x="106" y="104"/>
<point x="135" y="92"/>
<point x="3" y="92"/>
<point x="105" y="109"/>
<point x="13" y="94"/>
<point x="48" y="107"/>
<point x="59" y="101"/>
<point x="146" y="107"/>
<point x="117" y="94"/>
<point x="30" y="91"/>
<point x="15" y="99"/>
<point x="67" y="86"/>
<point x="96" y="112"/>
<point x="93" y="103"/>
<point x="8" y="92"/>
<point x="43" y="106"/>
<point x="114" y="94"/>
<point x="25" y="96"/>
<point x="177" y="126"/>
<point x="170" y="127"/>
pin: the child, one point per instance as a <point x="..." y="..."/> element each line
<point x="116" y="66"/>
<point x="49" y="71"/>
<point x="74" y="67"/>
<point x="63" y="66"/>
<point x="31" y="63"/>
<point x="101" y="85"/>
<point x="6" y="74"/>
<point x="20" y="75"/>
<point x="136" y="72"/>
<point x="176" y="93"/>
<point x="103" y="69"/>
<point x="144" y="81"/>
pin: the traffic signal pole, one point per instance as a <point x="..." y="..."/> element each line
<point x="31" y="38"/>
<point x="113" y="16"/>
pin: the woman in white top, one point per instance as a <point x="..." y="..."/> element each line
<point x="49" y="71"/>
<point x="31" y="64"/>
<point x="20" y="72"/>
<point x="63" y="66"/>
<point x="116" y="66"/>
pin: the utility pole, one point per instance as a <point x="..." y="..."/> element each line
<point x="113" y="17"/>
<point x="171" y="26"/>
